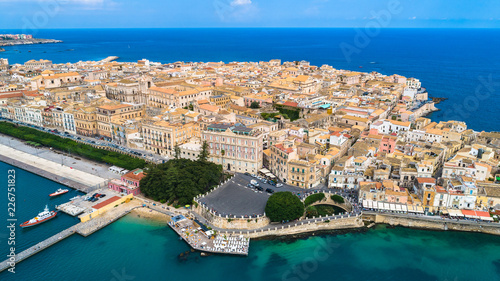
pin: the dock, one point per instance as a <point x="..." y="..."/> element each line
<point x="198" y="237"/>
<point x="38" y="248"/>
<point x="109" y="59"/>
<point x="82" y="228"/>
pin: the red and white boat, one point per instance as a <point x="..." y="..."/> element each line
<point x="59" y="192"/>
<point x="42" y="217"/>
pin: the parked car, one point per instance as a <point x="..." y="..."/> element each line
<point x="279" y="185"/>
<point x="259" y="188"/>
<point x="247" y="173"/>
<point x="268" y="190"/>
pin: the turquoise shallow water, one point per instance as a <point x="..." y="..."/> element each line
<point x="134" y="249"/>
<point x="137" y="249"/>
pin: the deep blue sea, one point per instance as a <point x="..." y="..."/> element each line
<point x="460" y="64"/>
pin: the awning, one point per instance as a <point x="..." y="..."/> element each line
<point x="398" y="208"/>
<point x="469" y="214"/>
<point x="419" y="209"/>
<point x="365" y="204"/>
<point x="392" y="207"/>
<point x="387" y="206"/>
<point x="455" y="213"/>
<point x="411" y="208"/>
<point x="405" y="208"/>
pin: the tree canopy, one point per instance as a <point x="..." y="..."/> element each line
<point x="284" y="206"/>
<point x="314" y="198"/>
<point x="180" y="180"/>
<point x="71" y="146"/>
<point x="254" y="104"/>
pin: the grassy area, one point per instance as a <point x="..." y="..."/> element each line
<point x="71" y="146"/>
<point x="314" y="198"/>
<point x="323" y="210"/>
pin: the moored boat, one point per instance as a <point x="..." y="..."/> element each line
<point x="41" y="217"/>
<point x="59" y="192"/>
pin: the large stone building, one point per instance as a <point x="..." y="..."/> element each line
<point x="125" y="91"/>
<point x="161" y="137"/>
<point x="236" y="147"/>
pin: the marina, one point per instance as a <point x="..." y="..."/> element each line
<point x="84" y="203"/>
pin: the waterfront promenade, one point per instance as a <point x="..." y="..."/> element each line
<point x="60" y="173"/>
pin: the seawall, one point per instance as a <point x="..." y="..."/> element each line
<point x="432" y="224"/>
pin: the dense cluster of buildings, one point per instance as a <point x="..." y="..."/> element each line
<point x="309" y="126"/>
<point x="15" y="36"/>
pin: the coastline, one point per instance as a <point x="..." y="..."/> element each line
<point x="33" y="41"/>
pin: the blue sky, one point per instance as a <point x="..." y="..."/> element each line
<point x="248" y="13"/>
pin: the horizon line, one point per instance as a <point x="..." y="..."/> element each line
<point x="260" y="27"/>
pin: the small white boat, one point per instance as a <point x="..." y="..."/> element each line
<point x="59" y="192"/>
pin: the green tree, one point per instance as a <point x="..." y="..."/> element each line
<point x="177" y="151"/>
<point x="337" y="198"/>
<point x="180" y="180"/>
<point x="284" y="206"/>
<point x="203" y="156"/>
<point x="254" y="104"/>
<point x="314" y="198"/>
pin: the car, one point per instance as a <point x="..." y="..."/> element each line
<point x="272" y="183"/>
<point x="268" y="190"/>
<point x="247" y="173"/>
<point x="259" y="188"/>
<point x="264" y="180"/>
<point x="279" y="185"/>
<point x="103" y="195"/>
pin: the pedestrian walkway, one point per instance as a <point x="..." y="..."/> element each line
<point x="57" y="172"/>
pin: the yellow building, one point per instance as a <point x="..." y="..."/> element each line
<point x="101" y="208"/>
<point x="161" y="136"/>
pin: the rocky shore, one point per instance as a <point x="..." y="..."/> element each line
<point x="27" y="42"/>
<point x="437" y="100"/>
